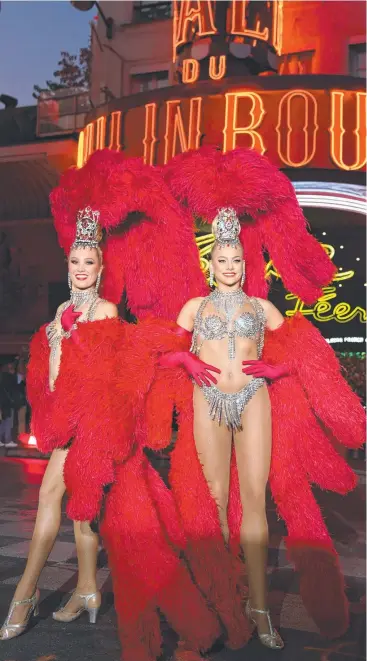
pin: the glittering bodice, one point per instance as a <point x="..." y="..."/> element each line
<point x="249" y="325"/>
<point x="56" y="334"/>
<point x="214" y="327"/>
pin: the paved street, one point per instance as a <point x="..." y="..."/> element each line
<point x="80" y="641"/>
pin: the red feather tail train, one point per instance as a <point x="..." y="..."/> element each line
<point x="317" y="368"/>
<point x="321" y="585"/>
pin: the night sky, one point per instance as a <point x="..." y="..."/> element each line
<point x="32" y="35"/>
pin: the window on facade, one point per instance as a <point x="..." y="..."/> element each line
<point x="357" y="60"/>
<point x="152" y="10"/>
<point x="144" y="82"/>
<point x="296" y="63"/>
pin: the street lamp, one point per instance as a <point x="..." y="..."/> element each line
<point x="83" y="5"/>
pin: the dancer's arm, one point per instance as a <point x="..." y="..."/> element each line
<point x="50" y="423"/>
<point x="196" y="368"/>
<point x="188" y="313"/>
<point x="273" y="316"/>
<point x="261" y="368"/>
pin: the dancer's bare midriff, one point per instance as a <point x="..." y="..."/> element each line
<point x="231" y="377"/>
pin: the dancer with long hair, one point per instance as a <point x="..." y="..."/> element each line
<point x="106" y="369"/>
<point x="228" y="328"/>
<point x="85" y="305"/>
<point x="280" y="400"/>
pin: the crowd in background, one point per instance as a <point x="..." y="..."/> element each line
<point x="354" y="366"/>
<point x="13" y="403"/>
<point x="354" y="370"/>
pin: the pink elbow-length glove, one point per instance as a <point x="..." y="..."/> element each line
<point x="259" y="369"/>
<point x="69" y="317"/>
<point x="199" y="371"/>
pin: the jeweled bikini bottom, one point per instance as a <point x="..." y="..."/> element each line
<point x="228" y="407"/>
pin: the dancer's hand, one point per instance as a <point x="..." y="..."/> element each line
<point x="196" y="368"/>
<point x="260" y="369"/>
<point x="69" y="317"/>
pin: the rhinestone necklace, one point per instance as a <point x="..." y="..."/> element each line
<point x="79" y="298"/>
<point x="227" y="302"/>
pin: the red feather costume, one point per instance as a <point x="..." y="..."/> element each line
<point x="309" y="408"/>
<point x="103" y="418"/>
<point x="202" y="182"/>
<point x="100" y="418"/>
<point x="142" y="219"/>
<point x="151" y="254"/>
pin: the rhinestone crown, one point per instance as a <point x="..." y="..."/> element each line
<point x="88" y="230"/>
<point x="226" y="227"/>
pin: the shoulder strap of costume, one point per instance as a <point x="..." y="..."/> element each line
<point x="260" y="314"/>
<point x="197" y="322"/>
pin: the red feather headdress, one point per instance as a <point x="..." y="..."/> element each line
<point x="150" y="250"/>
<point x="206" y="180"/>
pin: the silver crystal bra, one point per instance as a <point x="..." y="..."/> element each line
<point x="214" y="327"/>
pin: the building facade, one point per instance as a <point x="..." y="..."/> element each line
<point x="31" y="263"/>
<point x="317" y="37"/>
<point x="285" y="78"/>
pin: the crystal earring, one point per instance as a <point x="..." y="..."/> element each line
<point x="98" y="281"/>
<point x="243" y="277"/>
<point x="69" y="282"/>
<point x="211" y="279"/>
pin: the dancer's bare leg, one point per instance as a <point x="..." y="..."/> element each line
<point x="213" y="444"/>
<point x="45" y="531"/>
<point x="253" y="453"/>
<point x="87" y="543"/>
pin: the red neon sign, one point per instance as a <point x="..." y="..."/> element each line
<point x="294" y="128"/>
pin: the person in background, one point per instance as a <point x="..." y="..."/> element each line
<point x="9" y="388"/>
<point x="21" y="400"/>
<point x="5" y="411"/>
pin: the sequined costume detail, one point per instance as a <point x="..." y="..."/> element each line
<point x="228" y="407"/>
<point x="55" y="333"/>
<point x="214" y="327"/>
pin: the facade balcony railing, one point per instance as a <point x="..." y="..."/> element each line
<point x="61" y="112"/>
<point x="144" y="12"/>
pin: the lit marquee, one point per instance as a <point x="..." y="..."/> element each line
<point x="213" y="43"/>
<point x="255" y="21"/>
<point x="294" y="128"/>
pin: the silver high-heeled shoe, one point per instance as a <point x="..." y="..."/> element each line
<point x="10" y="630"/>
<point x="271" y="639"/>
<point x="62" y="615"/>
